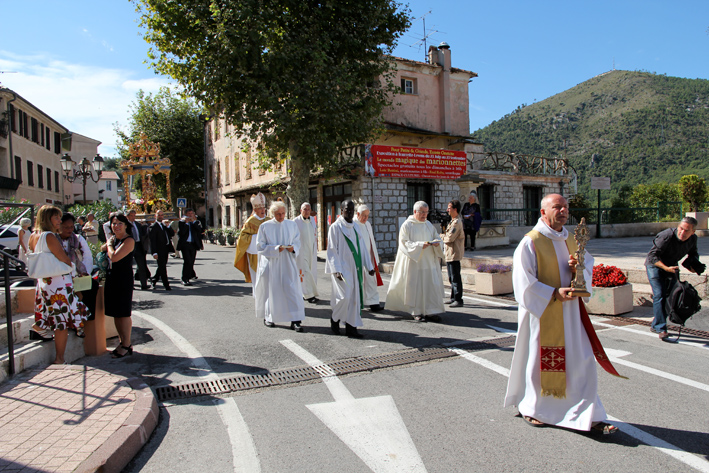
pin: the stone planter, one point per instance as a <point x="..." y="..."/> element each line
<point x="611" y="300"/>
<point x="493" y="284"/>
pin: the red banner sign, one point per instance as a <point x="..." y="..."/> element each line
<point x="420" y="163"/>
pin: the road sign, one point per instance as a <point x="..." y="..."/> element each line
<point x="181" y="202"/>
<point x="601" y="183"/>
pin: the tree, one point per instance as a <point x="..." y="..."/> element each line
<point x="301" y="79"/>
<point x="694" y="191"/>
<point x="174" y="122"/>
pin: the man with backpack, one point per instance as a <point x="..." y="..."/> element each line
<point x="670" y="246"/>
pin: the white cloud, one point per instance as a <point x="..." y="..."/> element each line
<point x="86" y="99"/>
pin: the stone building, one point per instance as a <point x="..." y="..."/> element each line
<point x="426" y="153"/>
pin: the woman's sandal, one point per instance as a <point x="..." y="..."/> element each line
<point x="604" y="428"/>
<point x="533" y="422"/>
<point x="115" y="354"/>
<point x="41" y="334"/>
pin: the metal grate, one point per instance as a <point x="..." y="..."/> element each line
<point x="307" y="373"/>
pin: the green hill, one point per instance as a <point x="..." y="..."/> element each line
<point x="635" y="127"/>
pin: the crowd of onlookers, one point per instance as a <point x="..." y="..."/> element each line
<point x="59" y="255"/>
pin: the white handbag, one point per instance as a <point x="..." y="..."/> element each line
<point x="42" y="263"/>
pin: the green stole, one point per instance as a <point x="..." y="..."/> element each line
<point x="358" y="264"/>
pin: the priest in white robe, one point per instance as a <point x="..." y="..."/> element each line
<point x="277" y="294"/>
<point x="307" y="259"/>
<point x="371" y="293"/>
<point x="417" y="282"/>
<point x="553" y="379"/>
<point x="347" y="260"/>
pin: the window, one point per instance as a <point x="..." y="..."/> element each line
<point x="30" y="173"/>
<point x="41" y="133"/>
<point x="13" y="119"/>
<point x="486" y="199"/>
<point x="408" y="86"/>
<point x="416" y="192"/>
<point x="49" y="179"/>
<point x="226" y="171"/>
<point x="108" y="186"/>
<point x="228" y="215"/>
<point x="35" y="130"/>
<point x="237" y="173"/>
<point x="21" y="121"/>
<point x="57" y="142"/>
<point x="18" y="168"/>
<point x="40" y="176"/>
<point x="532" y="202"/>
<point x="217" y="128"/>
<point x="248" y="164"/>
<point x="56" y="181"/>
<point x="219" y="174"/>
<point x="47" y="141"/>
<point x="25" y="128"/>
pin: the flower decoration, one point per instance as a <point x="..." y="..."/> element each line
<point x="494" y="268"/>
<point x="608" y="276"/>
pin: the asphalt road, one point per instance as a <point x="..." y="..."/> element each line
<point x="436" y="416"/>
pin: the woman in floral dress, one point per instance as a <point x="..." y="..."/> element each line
<point x="56" y="306"/>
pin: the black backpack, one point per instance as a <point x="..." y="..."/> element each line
<point x="682" y="301"/>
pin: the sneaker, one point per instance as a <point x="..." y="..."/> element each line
<point x="449" y="302"/>
<point x="296" y="326"/>
<point x="457" y="304"/>
<point x="663" y="336"/>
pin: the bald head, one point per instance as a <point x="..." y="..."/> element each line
<point x="555" y="211"/>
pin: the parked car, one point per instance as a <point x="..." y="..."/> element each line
<point x="8" y="238"/>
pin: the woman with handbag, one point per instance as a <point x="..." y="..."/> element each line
<point x="57" y="308"/>
<point x="118" y="290"/>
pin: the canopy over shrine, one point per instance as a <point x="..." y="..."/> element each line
<point x="145" y="161"/>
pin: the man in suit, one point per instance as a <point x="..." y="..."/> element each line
<point x="189" y="243"/>
<point x="161" y="246"/>
<point x="142" y="247"/>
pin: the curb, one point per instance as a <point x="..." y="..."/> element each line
<point x="126" y="442"/>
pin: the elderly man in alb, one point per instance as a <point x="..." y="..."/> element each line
<point x="347" y="259"/>
<point x="246" y="259"/>
<point x="371" y="294"/>
<point x="277" y="293"/>
<point x="553" y="378"/>
<point x="307" y="259"/>
<point x="417" y="283"/>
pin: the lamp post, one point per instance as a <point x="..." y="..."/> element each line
<point x="85" y="170"/>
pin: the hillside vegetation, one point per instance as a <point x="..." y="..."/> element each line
<point x="636" y="127"/>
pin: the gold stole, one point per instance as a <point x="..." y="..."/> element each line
<point x="551" y="324"/>
<point x="243" y="260"/>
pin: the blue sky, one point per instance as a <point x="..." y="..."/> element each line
<point x="83" y="61"/>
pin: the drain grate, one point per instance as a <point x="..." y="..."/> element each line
<point x="307" y="373"/>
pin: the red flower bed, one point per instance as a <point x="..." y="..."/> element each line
<point x="608" y="276"/>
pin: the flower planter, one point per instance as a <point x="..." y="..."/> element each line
<point x="611" y="300"/>
<point x="492" y="284"/>
<point x="230" y="239"/>
<point x="221" y="239"/>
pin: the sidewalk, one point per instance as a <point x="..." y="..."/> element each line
<point x="73" y="418"/>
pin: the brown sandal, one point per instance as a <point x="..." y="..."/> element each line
<point x="604" y="428"/>
<point x="533" y="422"/>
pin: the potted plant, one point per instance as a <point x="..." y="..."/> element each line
<point x="694" y="191"/>
<point x="210" y="235"/>
<point x="612" y="294"/>
<point x="493" y="279"/>
<point x="230" y="235"/>
<point x="219" y="234"/>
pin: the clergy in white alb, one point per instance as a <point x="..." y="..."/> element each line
<point x="417" y="282"/>
<point x="307" y="259"/>
<point x="371" y="293"/>
<point x="347" y="260"/>
<point x="547" y="391"/>
<point x="277" y="293"/>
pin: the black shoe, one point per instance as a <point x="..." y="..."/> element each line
<point x="375" y="308"/>
<point x="433" y="318"/>
<point x="186" y="283"/>
<point x="457" y="304"/>
<point x="335" y="327"/>
<point x="145" y="288"/>
<point x="268" y="324"/>
<point x="352" y="332"/>
<point x="194" y="277"/>
<point x="296" y="326"/>
<point x="313" y="300"/>
<point x="45" y="336"/>
<point x="449" y="302"/>
<point x="168" y="288"/>
<point x="129" y="351"/>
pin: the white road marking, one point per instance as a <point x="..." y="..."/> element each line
<point x="489" y="302"/>
<point x="615" y="357"/>
<point x="685" y="457"/>
<point x="702" y="345"/>
<point x="244" y="457"/>
<point x="371" y="427"/>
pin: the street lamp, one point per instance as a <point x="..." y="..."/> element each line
<point x="85" y="170"/>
